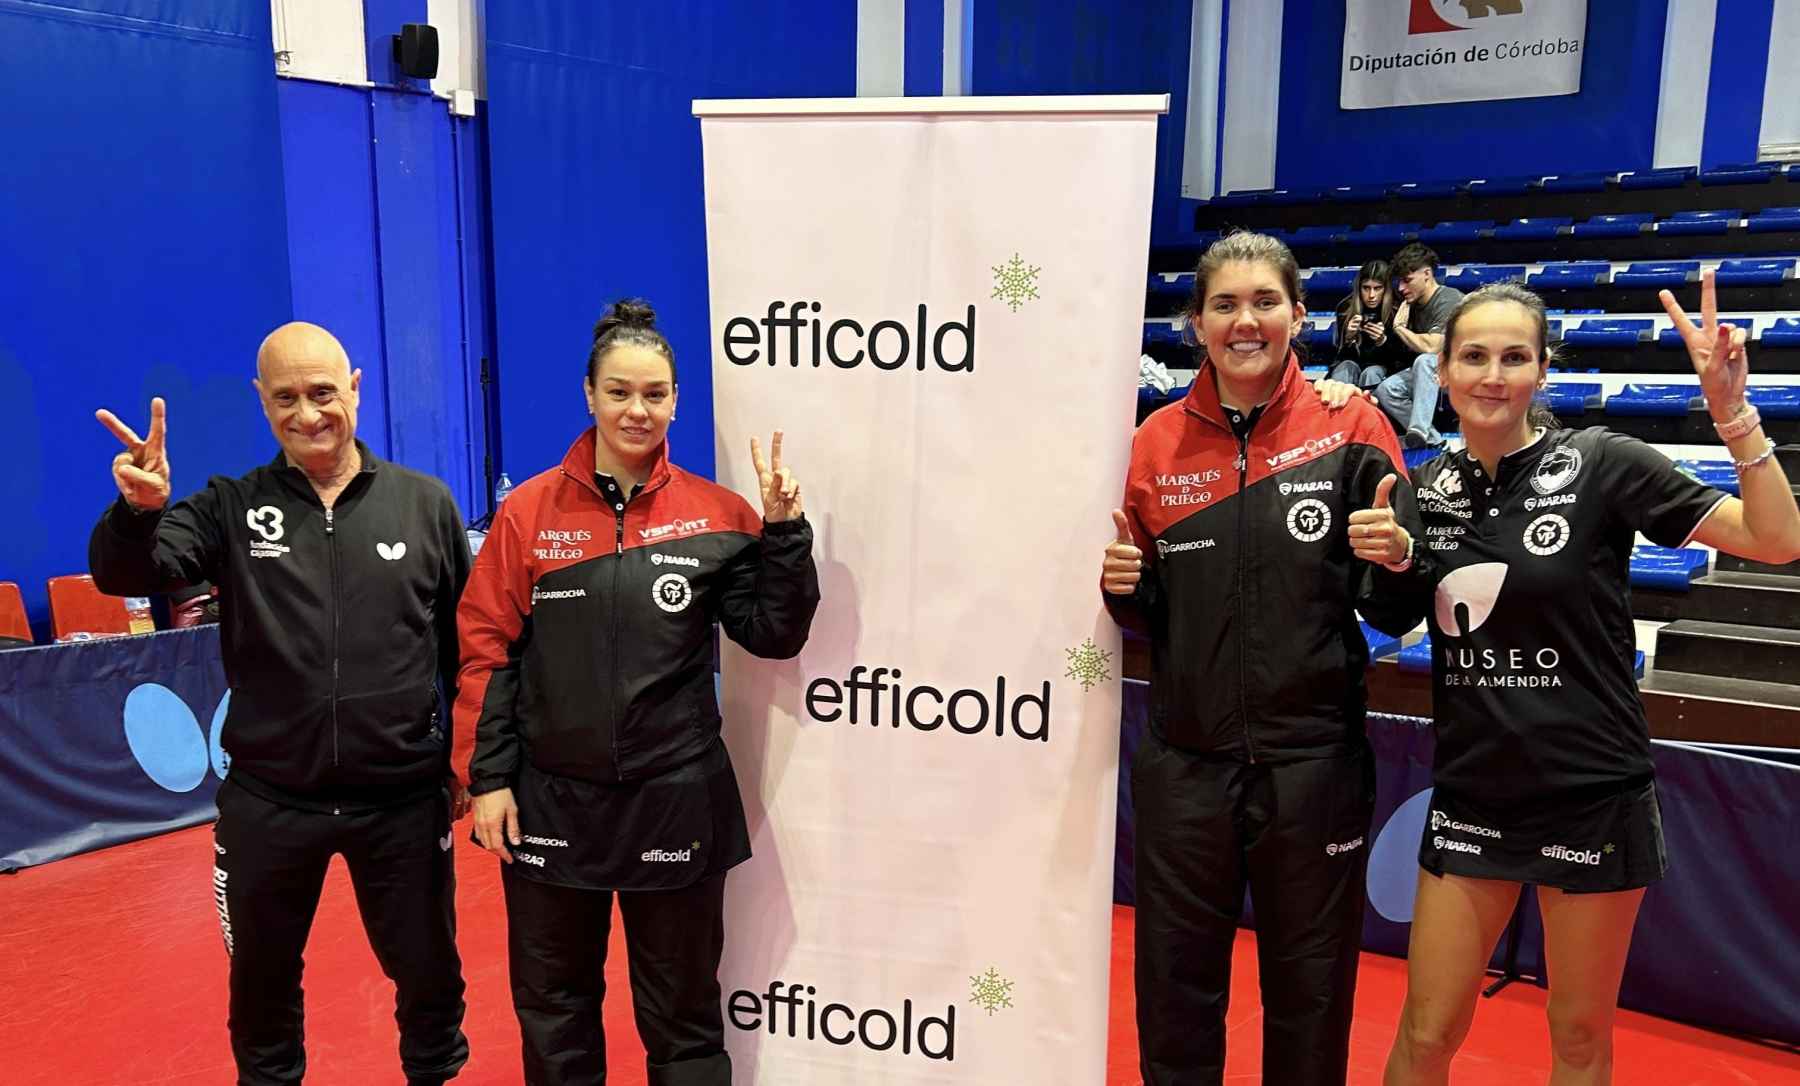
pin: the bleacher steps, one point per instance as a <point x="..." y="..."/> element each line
<point x="1755" y="599"/>
<point x="1758" y="653"/>
<point x="1731" y="563"/>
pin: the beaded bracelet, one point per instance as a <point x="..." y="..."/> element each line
<point x="1740" y="424"/>
<point x="1746" y="465"/>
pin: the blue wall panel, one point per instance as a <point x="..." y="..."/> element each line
<point x="1094" y="47"/>
<point x="924" y="60"/>
<point x="416" y="217"/>
<point x="596" y="184"/>
<point x="1734" y="93"/>
<point x="328" y="155"/>
<point x="1610" y="125"/>
<point x="143" y="251"/>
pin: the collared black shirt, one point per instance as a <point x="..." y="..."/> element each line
<point x="1532" y="638"/>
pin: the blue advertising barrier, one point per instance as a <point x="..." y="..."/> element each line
<point x="107" y="741"/>
<point x="1715" y="940"/>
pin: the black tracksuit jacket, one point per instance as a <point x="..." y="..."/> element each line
<point x="1250" y="590"/>
<point x="338" y="626"/>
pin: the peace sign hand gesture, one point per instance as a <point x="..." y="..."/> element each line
<point x="1716" y="350"/>
<point x="780" y="490"/>
<point x="142" y="470"/>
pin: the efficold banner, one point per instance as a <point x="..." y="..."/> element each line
<point x="1418" y="52"/>
<point x="941" y="304"/>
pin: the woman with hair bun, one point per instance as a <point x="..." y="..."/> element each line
<point x="587" y="633"/>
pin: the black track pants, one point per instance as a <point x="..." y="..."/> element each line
<point x="268" y="867"/>
<point x="556" y="948"/>
<point x="1297" y="834"/>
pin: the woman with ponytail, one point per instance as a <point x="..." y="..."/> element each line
<point x="1542" y="769"/>
<point x="587" y="633"/>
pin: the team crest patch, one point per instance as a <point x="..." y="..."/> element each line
<point x="672" y="592"/>
<point x="1557" y="469"/>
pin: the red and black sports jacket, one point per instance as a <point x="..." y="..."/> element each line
<point x="586" y="626"/>
<point x="1250" y="590"/>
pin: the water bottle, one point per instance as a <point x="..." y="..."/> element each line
<point x="137" y="613"/>
<point x="501" y="490"/>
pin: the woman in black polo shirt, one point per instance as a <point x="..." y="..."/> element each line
<point x="1543" y="772"/>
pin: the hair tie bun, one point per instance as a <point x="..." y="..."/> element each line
<point x="625" y="313"/>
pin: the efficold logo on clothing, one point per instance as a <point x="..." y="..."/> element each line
<point x="1440" y="16"/>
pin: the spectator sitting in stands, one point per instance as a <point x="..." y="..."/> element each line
<point x="1366" y="349"/>
<point x="1410" y="397"/>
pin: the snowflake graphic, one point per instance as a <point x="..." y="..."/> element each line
<point x="1015" y="282"/>
<point x="990" y="991"/>
<point x="1608" y="849"/>
<point x="1088" y="664"/>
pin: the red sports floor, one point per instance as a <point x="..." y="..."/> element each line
<point x="111" y="972"/>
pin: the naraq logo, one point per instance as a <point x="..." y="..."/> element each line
<point x="165" y="738"/>
<point x="793" y="334"/>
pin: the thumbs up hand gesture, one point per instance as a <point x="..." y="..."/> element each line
<point x="1375" y="536"/>
<point x="1120" y="573"/>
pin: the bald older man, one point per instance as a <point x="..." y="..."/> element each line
<point x="339" y="576"/>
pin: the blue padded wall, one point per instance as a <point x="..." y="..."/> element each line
<point x="1094" y="47"/>
<point x="596" y="185"/>
<point x="143" y="251"/>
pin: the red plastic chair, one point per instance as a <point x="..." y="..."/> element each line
<point x="79" y="611"/>
<point x="14" y="626"/>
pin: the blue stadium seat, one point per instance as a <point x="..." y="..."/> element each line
<point x="1330" y="282"/>
<point x="1474" y="276"/>
<point x="1775" y="401"/>
<point x="1570" y="275"/>
<point x="1782" y="332"/>
<point x="1693" y="223"/>
<point x="1669" y="337"/>
<point x="1758" y="272"/>
<point x="1668" y="568"/>
<point x="1462" y="230"/>
<point x="1718" y="474"/>
<point x="1577" y="182"/>
<point x="1161" y="332"/>
<point x="1386" y="233"/>
<point x="1290" y="197"/>
<point x="1426" y="190"/>
<point x="1533" y="229"/>
<point x="1774" y="220"/>
<point x="1318" y="235"/>
<point x="1313" y="373"/>
<point x="1658" y="400"/>
<point x="1413" y="458"/>
<point x="1571" y="397"/>
<point x="1750" y="173"/>
<point x="1160" y="285"/>
<point x="1380" y="645"/>
<point x="1243" y="198"/>
<point x="1610" y="332"/>
<point x="1658" y="274"/>
<point x="1417" y="656"/>
<point x="1317" y="337"/>
<point x="1502" y="186"/>
<point x="1357" y="194"/>
<point x="1614" y="226"/>
<point x="1672" y="178"/>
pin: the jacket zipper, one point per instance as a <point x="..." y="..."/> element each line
<point x="331" y="545"/>
<point x="1243" y="469"/>
<point x="618" y="560"/>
